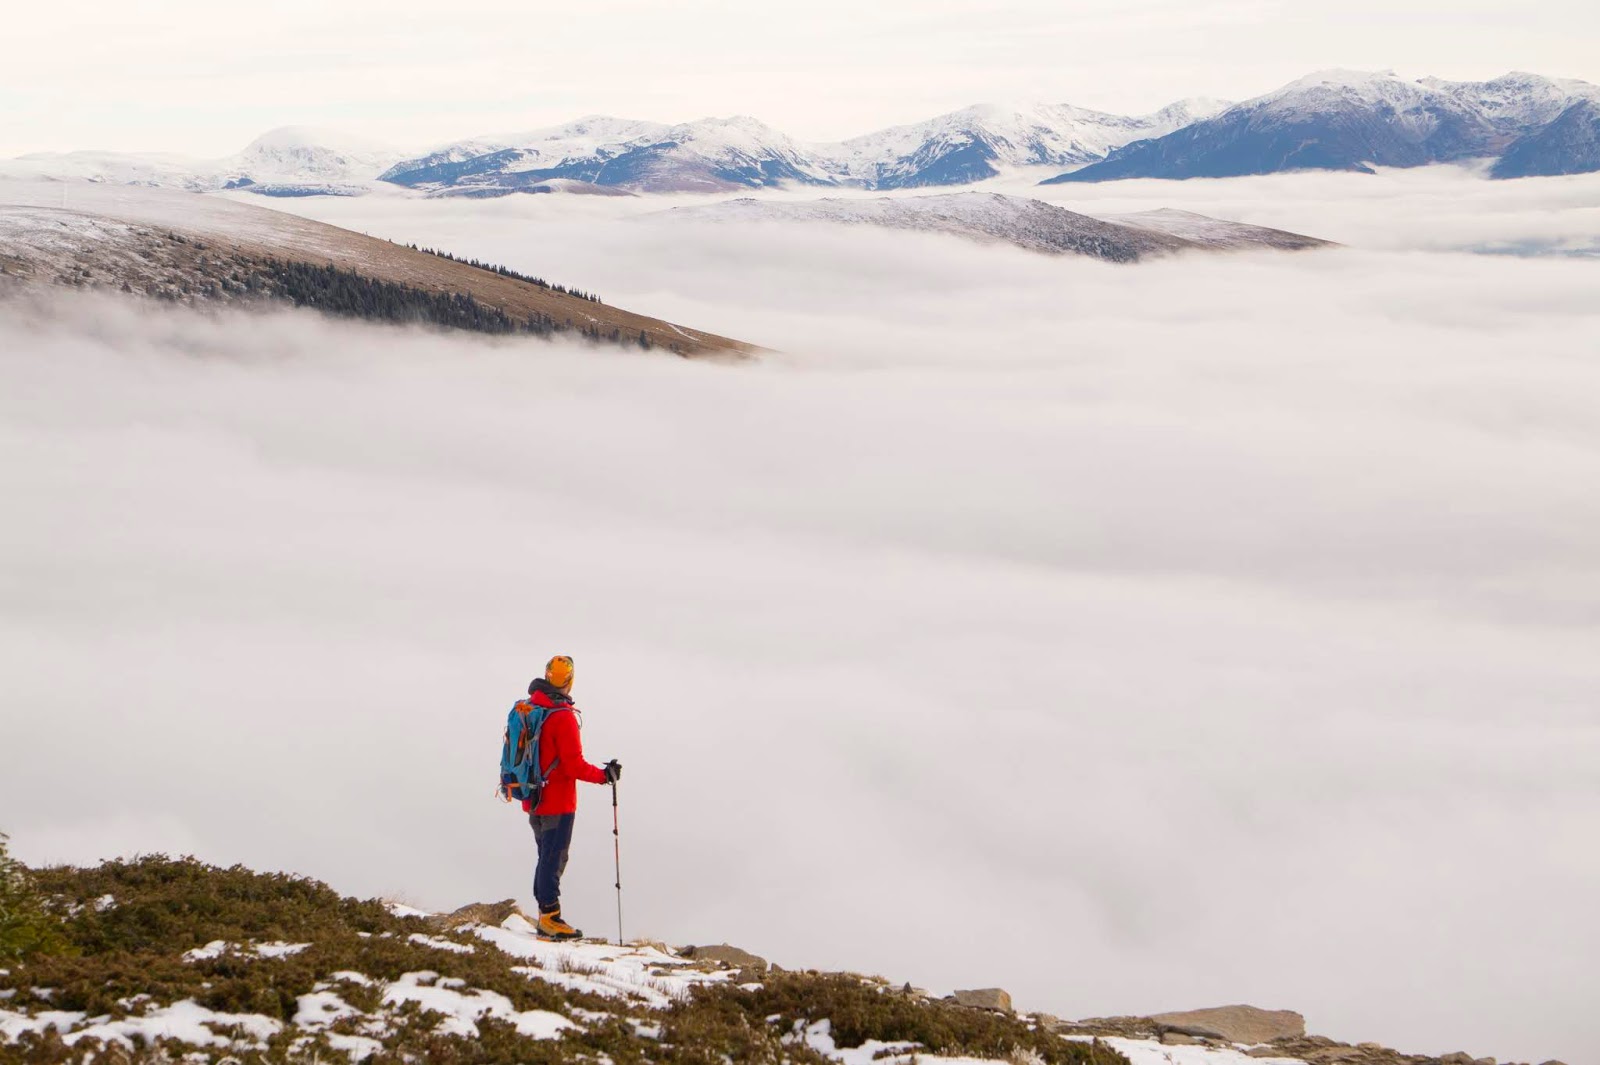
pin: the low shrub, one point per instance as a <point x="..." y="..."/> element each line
<point x="858" y="1011"/>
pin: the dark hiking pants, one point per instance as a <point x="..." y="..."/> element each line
<point x="553" y="834"/>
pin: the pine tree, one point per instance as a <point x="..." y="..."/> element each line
<point x="26" y="927"/>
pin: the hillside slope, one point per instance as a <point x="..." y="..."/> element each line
<point x="184" y="246"/>
<point x="159" y="958"/>
<point x="1217" y="233"/>
<point x="170" y="957"/>
<point x="1570" y="144"/>
<point x="1019" y="220"/>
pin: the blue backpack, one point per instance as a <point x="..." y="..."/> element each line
<point x="521" y="779"/>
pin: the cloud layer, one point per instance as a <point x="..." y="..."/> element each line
<point x="1135" y="638"/>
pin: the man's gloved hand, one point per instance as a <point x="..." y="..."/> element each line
<point x="613" y="771"/>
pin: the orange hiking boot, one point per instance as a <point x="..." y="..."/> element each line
<point x="551" y="926"/>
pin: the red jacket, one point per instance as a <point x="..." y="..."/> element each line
<point x="561" y="758"/>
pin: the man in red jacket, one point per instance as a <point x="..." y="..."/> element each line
<point x="561" y="760"/>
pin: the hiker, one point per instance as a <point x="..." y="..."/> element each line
<point x="561" y="764"/>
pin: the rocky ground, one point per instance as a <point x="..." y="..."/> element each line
<point x="1258" y="1033"/>
<point x="158" y="960"/>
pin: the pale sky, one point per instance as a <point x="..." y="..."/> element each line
<point x="202" y="78"/>
<point x="199" y="77"/>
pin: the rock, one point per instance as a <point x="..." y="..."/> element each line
<point x="489" y="913"/>
<point x="1235" y="1024"/>
<point x="1173" y="1037"/>
<point x="722" y="953"/>
<point x="1460" y="1057"/>
<point x="1124" y="1027"/>
<point x="985" y="998"/>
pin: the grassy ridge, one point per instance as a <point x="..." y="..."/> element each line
<point x="121" y="930"/>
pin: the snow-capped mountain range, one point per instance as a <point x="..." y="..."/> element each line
<point x="973" y="143"/>
<point x="292" y="160"/>
<point x="1331" y="120"/>
<point x="1352" y="120"/>
<point x="724" y="153"/>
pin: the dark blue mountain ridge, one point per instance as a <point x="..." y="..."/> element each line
<point x="1570" y="144"/>
<point x="1344" y="120"/>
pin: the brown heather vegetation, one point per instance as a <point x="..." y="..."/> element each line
<point x="103" y="956"/>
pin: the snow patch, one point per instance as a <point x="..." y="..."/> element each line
<point x="463" y="1009"/>
<point x="13" y="1025"/>
<point x="320" y="1009"/>
<point x="819" y="1037"/>
<point x="359" y="1047"/>
<point x="185" y="1021"/>
<point x="1150" y="1052"/>
<point x="440" y="943"/>
<point x="631" y="973"/>
<point x="218" y="947"/>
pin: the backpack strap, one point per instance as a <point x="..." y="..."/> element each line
<point x="554" y="710"/>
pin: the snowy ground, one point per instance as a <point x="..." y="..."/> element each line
<point x="635" y="976"/>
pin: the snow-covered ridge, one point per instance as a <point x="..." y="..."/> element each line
<point x="1021" y="135"/>
<point x="1517" y="101"/>
<point x="1018" y="220"/>
<point x="291" y="157"/>
<point x="1355" y="120"/>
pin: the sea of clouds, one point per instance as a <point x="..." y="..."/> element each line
<point x="1134" y="638"/>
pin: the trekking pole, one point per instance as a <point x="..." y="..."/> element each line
<point x="616" y="850"/>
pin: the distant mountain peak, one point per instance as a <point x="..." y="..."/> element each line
<point x="1342" y="119"/>
<point x="284" y="137"/>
